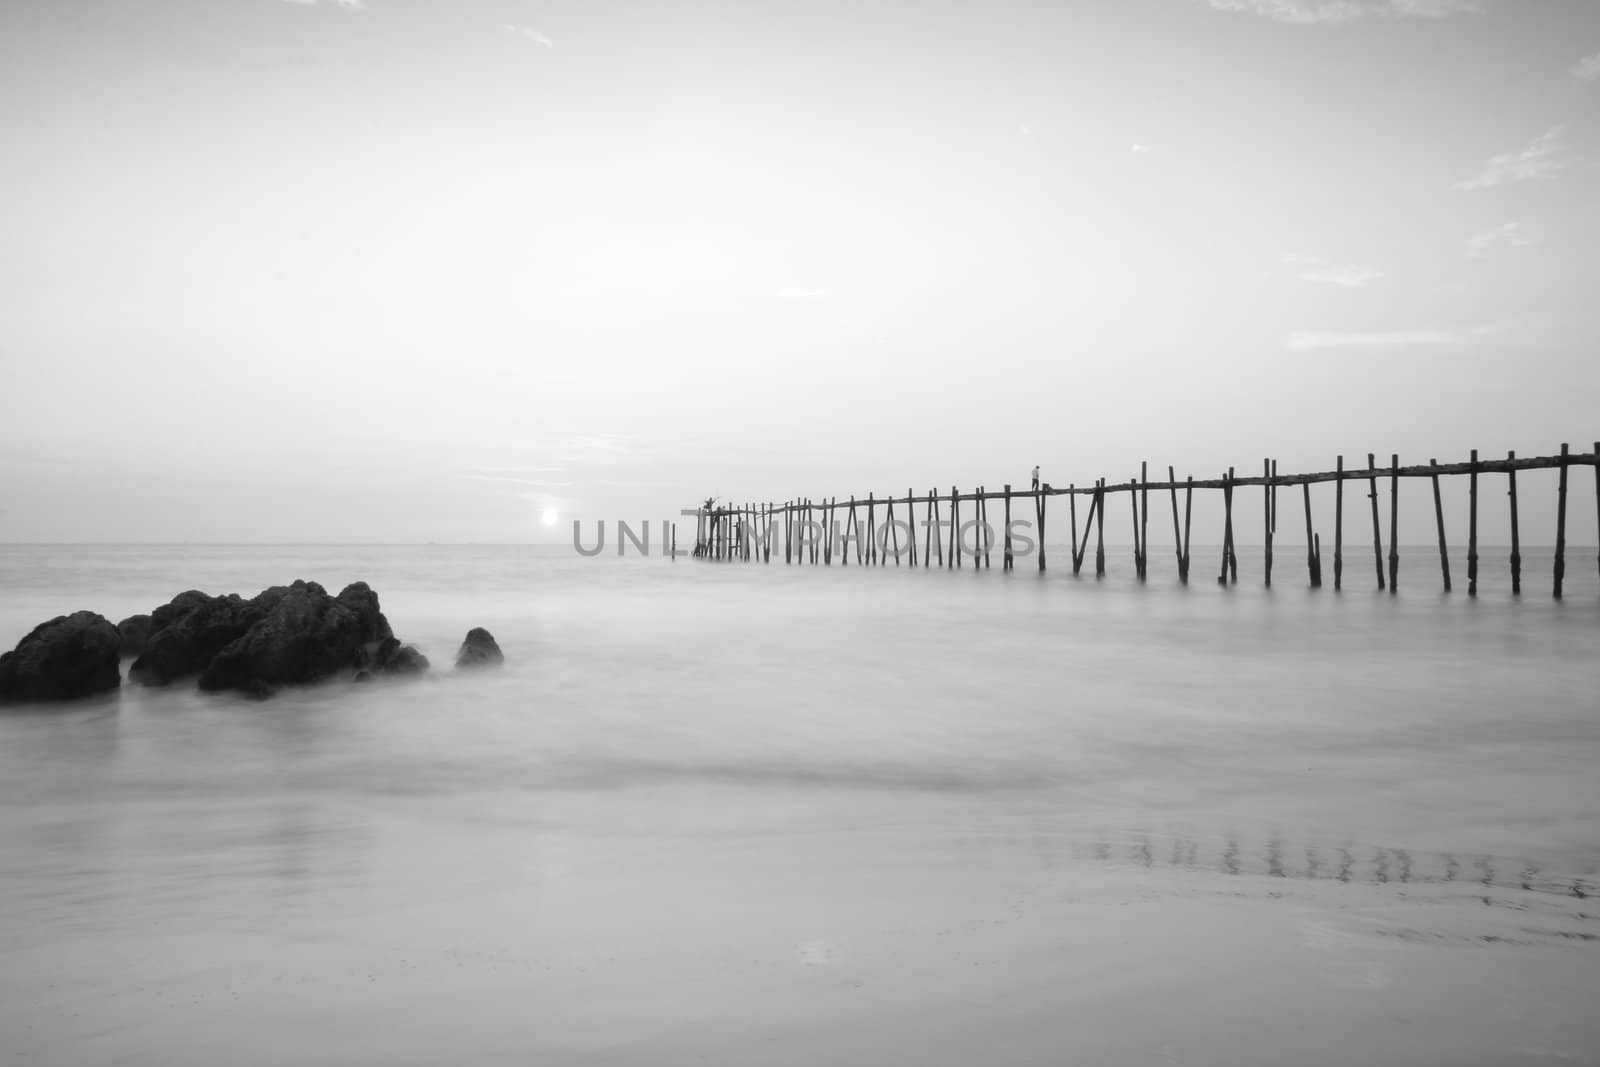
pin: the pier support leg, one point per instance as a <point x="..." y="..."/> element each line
<point x="1438" y="516"/>
<point x="1394" y="524"/>
<point x="1472" y="527"/>
<point x="1005" y="562"/>
<point x="1516" y="536"/>
<point x="1561" y="525"/>
<point x="1377" y="529"/>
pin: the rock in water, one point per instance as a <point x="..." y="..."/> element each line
<point x="303" y="635"/>
<point x="190" y="631"/>
<point x="68" y="657"/>
<point x="135" y="633"/>
<point x="479" y="650"/>
<point x="359" y="598"/>
<point x="394" y="658"/>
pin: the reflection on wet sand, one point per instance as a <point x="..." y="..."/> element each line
<point x="1363" y="864"/>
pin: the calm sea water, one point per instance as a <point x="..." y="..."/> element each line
<point x="745" y="814"/>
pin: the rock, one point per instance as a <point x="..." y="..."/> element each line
<point x="135" y="634"/>
<point x="190" y="631"/>
<point x="302" y="635"/>
<point x="394" y="658"/>
<point x="479" y="650"/>
<point x="359" y="598"/>
<point x="68" y="657"/>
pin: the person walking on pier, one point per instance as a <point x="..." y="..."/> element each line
<point x="1035" y="477"/>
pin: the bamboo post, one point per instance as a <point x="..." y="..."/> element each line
<point x="1438" y="516"/>
<point x="1311" y="551"/>
<point x="1272" y="498"/>
<point x="1377" y="530"/>
<point x="956" y="528"/>
<point x="1227" y="526"/>
<point x="1088" y="521"/>
<point x="1072" y="521"/>
<point x="1188" y="499"/>
<point x="983" y="527"/>
<point x="1516" y="539"/>
<point x="1133" y="501"/>
<point x="911" y="517"/>
<point x="1394" y="524"/>
<point x="1100" y="533"/>
<point x="1144" y="520"/>
<point x="1177" y="543"/>
<point x="1561" y="525"/>
<point x="894" y="531"/>
<point x="1266" y="512"/>
<point x="1039" y="506"/>
<point x="1338" y="528"/>
<point x="1472" y="527"/>
<point x="1005" y="560"/>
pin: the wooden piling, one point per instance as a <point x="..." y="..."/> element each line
<point x="1005" y="562"/>
<point x="1177" y="542"/>
<point x="1081" y="545"/>
<point x="1188" y="500"/>
<point x="1138" y="551"/>
<point x="983" y="528"/>
<point x="931" y="524"/>
<point x="1516" y="538"/>
<point x="1472" y="527"/>
<point x="911" y="518"/>
<point x="894" y="531"/>
<point x="1311" y="551"/>
<point x="1228" y="523"/>
<point x="1100" y="533"/>
<point x="1561" y="525"/>
<point x="1144" y="521"/>
<point x="1266" y="513"/>
<point x="1039" y="509"/>
<point x="1394" y="524"/>
<point x="1377" y="529"/>
<point x="1072" y="521"/>
<point x="1438" y="515"/>
<point x="956" y="551"/>
<point x="1227" y="528"/>
<point x="1338" y="528"/>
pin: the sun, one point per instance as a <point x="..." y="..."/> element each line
<point x="549" y="516"/>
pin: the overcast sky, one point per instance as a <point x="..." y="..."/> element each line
<point x="411" y="270"/>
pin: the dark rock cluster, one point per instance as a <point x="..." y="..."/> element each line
<point x="68" y="657"/>
<point x="295" y="634"/>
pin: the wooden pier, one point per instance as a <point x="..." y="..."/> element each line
<point x="810" y="529"/>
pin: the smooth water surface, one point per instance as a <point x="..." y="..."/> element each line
<point x="747" y="814"/>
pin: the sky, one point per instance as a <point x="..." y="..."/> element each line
<point x="416" y="270"/>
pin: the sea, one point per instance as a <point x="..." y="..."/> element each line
<point x="746" y="813"/>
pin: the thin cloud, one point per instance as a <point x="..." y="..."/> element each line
<point x="530" y="34"/>
<point x="1138" y="148"/>
<point x="1506" y="235"/>
<point x="1337" y="12"/>
<point x="1322" y="272"/>
<point x="1309" y="341"/>
<point x="1588" y="68"/>
<point x="1540" y="159"/>
<point x="798" y="293"/>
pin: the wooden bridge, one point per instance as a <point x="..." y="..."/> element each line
<point x="811" y="532"/>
